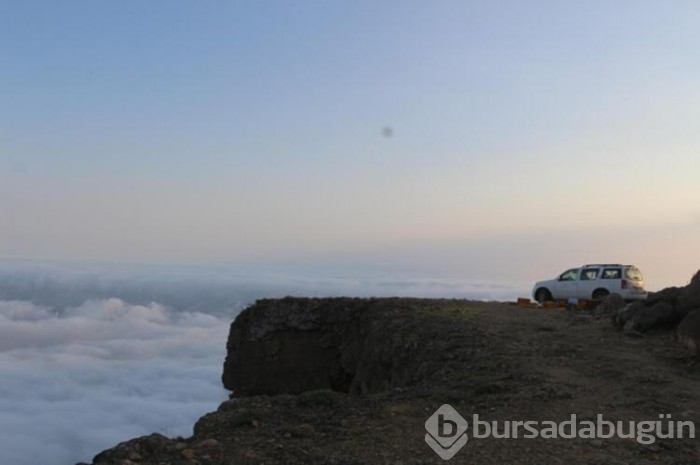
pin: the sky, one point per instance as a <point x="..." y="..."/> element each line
<point x="496" y="140"/>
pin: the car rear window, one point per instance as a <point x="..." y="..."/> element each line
<point x="611" y="273"/>
<point x="634" y="274"/>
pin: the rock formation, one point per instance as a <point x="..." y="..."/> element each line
<point x="356" y="346"/>
<point x="688" y="332"/>
<point x="663" y="310"/>
<point x="610" y="304"/>
<point x="350" y="381"/>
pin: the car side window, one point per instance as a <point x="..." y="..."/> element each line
<point x="589" y="274"/>
<point x="611" y="273"/>
<point x="569" y="275"/>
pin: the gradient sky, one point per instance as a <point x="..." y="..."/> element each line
<point x="526" y="137"/>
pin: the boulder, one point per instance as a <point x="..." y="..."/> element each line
<point x="639" y="317"/>
<point x="610" y="304"/>
<point x="670" y="295"/>
<point x="688" y="332"/>
<point x="661" y="310"/>
<point x="690" y="297"/>
<point x="622" y="315"/>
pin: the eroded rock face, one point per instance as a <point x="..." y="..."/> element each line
<point x="351" y="345"/>
<point x="290" y="345"/>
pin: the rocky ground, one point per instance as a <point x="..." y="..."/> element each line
<point x="352" y="381"/>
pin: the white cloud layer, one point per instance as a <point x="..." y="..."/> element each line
<point x="81" y="370"/>
<point x="78" y="382"/>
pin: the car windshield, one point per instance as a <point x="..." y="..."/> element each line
<point x="634" y="274"/>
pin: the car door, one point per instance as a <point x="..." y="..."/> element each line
<point x="567" y="284"/>
<point x="588" y="282"/>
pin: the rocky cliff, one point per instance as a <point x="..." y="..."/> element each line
<point x="352" y="381"/>
<point x="355" y="346"/>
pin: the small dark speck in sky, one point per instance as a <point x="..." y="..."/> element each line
<point x="387" y="131"/>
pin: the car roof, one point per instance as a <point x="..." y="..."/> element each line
<point x="596" y="265"/>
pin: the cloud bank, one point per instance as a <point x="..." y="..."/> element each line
<point x="77" y="382"/>
<point x="93" y="355"/>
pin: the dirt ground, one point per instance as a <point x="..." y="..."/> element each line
<point x="501" y="362"/>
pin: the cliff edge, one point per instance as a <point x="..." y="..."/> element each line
<point x="355" y="346"/>
<point x="352" y="381"/>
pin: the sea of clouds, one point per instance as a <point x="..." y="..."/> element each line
<point x="92" y="355"/>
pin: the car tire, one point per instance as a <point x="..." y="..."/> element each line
<point x="543" y="295"/>
<point x="600" y="294"/>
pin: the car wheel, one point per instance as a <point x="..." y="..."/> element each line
<point x="600" y="294"/>
<point x="543" y="295"/>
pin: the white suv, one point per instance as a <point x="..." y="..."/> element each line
<point x="593" y="282"/>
